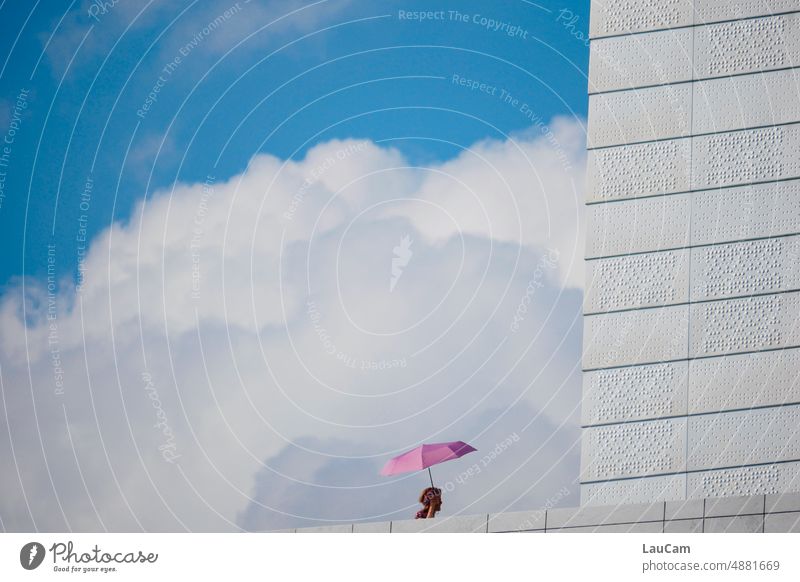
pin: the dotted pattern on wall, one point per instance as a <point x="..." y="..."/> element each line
<point x="640" y="115"/>
<point x="742" y="438"/>
<point x="742" y="157"/>
<point x="761" y="480"/>
<point x="746" y="212"/>
<point x="734" y="172"/>
<point x="746" y="268"/>
<point x="635" y="337"/>
<point x="743" y="325"/>
<point x="746" y="481"/>
<point x="746" y="46"/>
<point x="653" y="58"/>
<point x="646" y="280"/>
<point x="644" y="490"/>
<point x="749" y="101"/>
<point x="625" y="16"/>
<point x="638" y="170"/>
<point x="635" y="393"/>
<point x="715" y="10"/>
<point x="634" y="449"/>
<point x="744" y="381"/>
<point x="637" y="225"/>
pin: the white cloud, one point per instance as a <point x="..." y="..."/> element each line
<point x="249" y="326"/>
<point x="268" y="20"/>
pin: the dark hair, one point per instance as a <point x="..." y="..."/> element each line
<point x="428" y="494"/>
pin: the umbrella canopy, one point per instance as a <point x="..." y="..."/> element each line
<point x="425" y="456"/>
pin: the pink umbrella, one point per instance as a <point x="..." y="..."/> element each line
<point x="424" y="456"/>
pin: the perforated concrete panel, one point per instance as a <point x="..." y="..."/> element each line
<point x="747" y="46"/>
<point x="610" y="17"/>
<point x="644" y="490"/>
<point x="755" y="480"/>
<point x="744" y="381"/>
<point x="633" y="449"/>
<point x="745" y="325"/>
<point x="743" y="102"/>
<point x="716" y="10"/>
<point x="650" y="224"/>
<point x="635" y="337"/>
<point x="645" y="169"/>
<point x="745" y="268"/>
<point x="654" y="58"/>
<point x="638" y="115"/>
<point x="743" y="157"/>
<point x="634" y="281"/>
<point x="730" y="439"/>
<point x="634" y="393"/>
<point x="753" y="211"/>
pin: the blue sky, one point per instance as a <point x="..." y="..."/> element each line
<point x="309" y="236"/>
<point x="369" y="74"/>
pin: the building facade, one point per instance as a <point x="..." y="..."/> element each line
<point x="692" y="306"/>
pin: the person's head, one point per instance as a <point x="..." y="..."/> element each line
<point x="431" y="495"/>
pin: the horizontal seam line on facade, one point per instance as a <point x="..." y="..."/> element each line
<point x="692" y="190"/>
<point x="692" y="471"/>
<point x="699" y="516"/>
<point x="659" y="520"/>
<point x="700" y="302"/>
<point x="690" y="359"/>
<point x="693" y="246"/>
<point x="690" y="136"/>
<point x="654" y="363"/>
<point x="731" y="515"/>
<point x="698" y="80"/>
<point x="693" y="25"/>
<point x="693" y="414"/>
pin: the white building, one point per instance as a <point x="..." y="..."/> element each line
<point x="692" y="305"/>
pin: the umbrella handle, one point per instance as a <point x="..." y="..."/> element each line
<point x="431" y="476"/>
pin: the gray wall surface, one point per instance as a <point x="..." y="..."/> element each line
<point x="755" y="514"/>
<point x="692" y="305"/>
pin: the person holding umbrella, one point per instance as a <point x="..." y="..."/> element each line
<point x="422" y="457"/>
<point x="431" y="500"/>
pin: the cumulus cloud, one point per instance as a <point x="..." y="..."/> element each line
<point x="244" y="353"/>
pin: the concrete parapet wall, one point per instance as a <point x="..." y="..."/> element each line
<point x="753" y="514"/>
